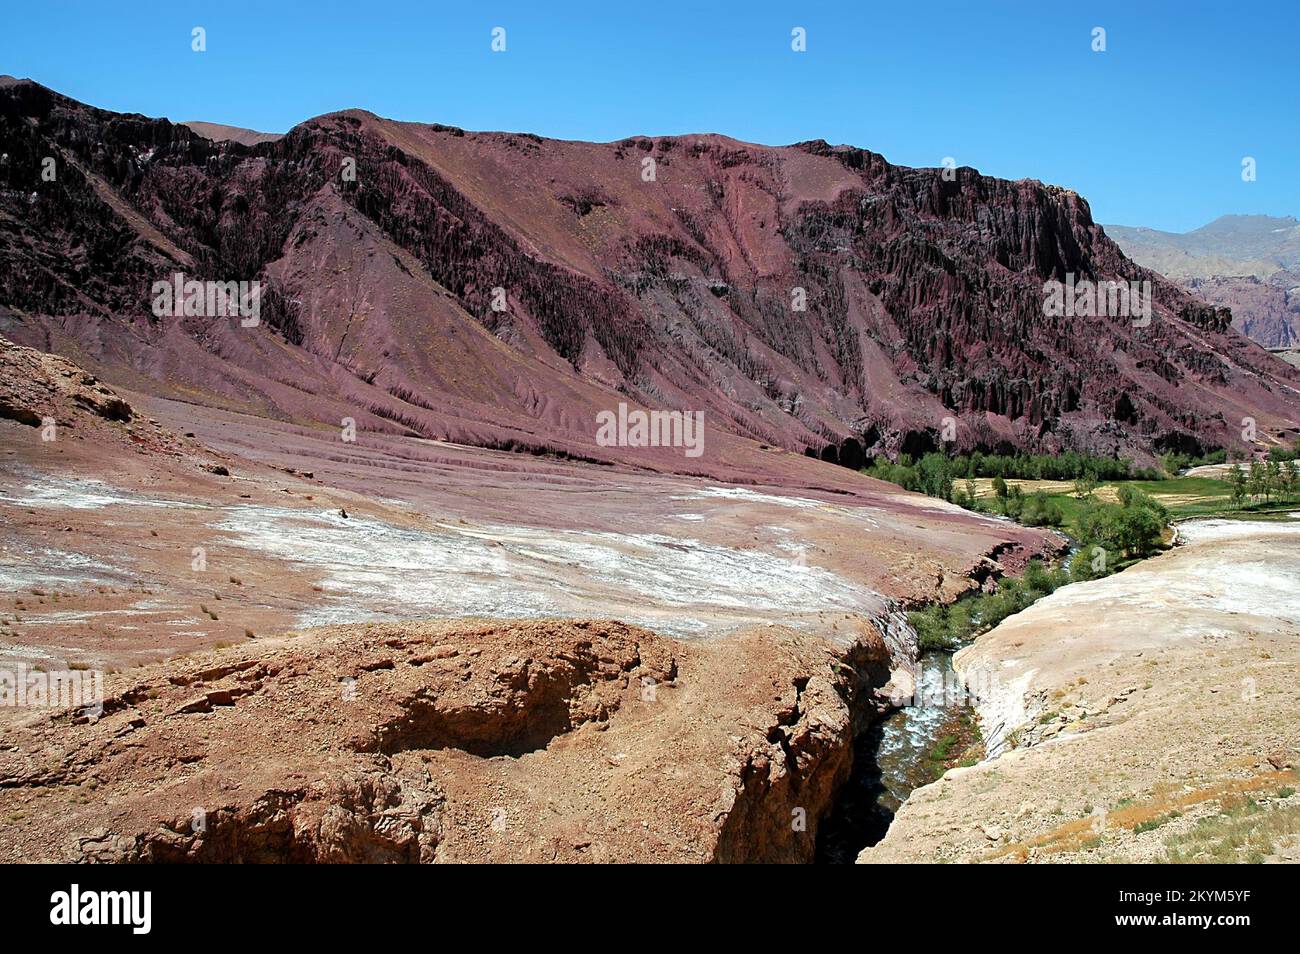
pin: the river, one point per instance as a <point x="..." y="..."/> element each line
<point x="891" y="759"/>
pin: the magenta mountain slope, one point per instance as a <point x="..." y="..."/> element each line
<point x="923" y="297"/>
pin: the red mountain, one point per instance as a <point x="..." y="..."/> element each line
<point x="383" y="247"/>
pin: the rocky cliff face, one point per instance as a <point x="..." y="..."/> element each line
<point x="420" y="742"/>
<point x="1266" y="310"/>
<point x="502" y="289"/>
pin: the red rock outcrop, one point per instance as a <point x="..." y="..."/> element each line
<point x="1264" y="310"/>
<point x="37" y="387"/>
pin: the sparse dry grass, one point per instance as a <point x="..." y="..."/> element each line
<point x="1138" y="816"/>
<point x="1245" y="831"/>
<point x="1173" y="493"/>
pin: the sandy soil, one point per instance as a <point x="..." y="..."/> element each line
<point x="1128" y="710"/>
<point x="984" y="488"/>
<point x="1217" y="471"/>
<point x="1107" y="493"/>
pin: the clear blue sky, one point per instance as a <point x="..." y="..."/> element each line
<point x="1152" y="131"/>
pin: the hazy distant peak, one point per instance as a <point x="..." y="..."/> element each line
<point x="1247" y="225"/>
<point x="1249" y="263"/>
<point x="219" y="133"/>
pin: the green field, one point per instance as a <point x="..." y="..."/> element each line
<point x="1181" y="496"/>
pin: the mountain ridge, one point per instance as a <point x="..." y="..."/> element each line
<point x="923" y="294"/>
<point x="1248" y="263"/>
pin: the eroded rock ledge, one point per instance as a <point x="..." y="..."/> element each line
<point x="451" y="741"/>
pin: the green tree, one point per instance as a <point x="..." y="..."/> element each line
<point x="1014" y="504"/>
<point x="1086" y="486"/>
<point x="1273" y="482"/>
<point x="1255" y="481"/>
<point x="1037" y="578"/>
<point x="1040" y="511"/>
<point x="935" y="475"/>
<point x="1290" y="478"/>
<point x="1137" y="530"/>
<point x="1239" y="480"/>
<point x="1088" y="563"/>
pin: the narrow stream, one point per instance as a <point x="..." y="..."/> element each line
<point x="910" y="747"/>
<point x="891" y="759"/>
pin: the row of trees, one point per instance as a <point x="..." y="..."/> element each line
<point x="933" y="474"/>
<point x="1067" y="466"/>
<point x="1265" y="480"/>
<point x="936" y="473"/>
<point x="1174" y="463"/>
<point x="1109" y="535"/>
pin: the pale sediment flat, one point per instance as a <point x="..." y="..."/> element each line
<point x="678" y="585"/>
<point x="363" y="568"/>
<point x="167" y="553"/>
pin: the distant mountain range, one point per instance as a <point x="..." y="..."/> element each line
<point x="1249" y="263"/>
<point x="502" y="290"/>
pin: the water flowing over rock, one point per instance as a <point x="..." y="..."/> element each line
<point x="1120" y="714"/>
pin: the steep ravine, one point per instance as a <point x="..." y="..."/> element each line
<point x="891" y="759"/>
<point x="887" y="739"/>
<point x="911" y="746"/>
<point x="778" y="815"/>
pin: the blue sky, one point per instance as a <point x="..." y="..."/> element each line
<point x="1151" y="132"/>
